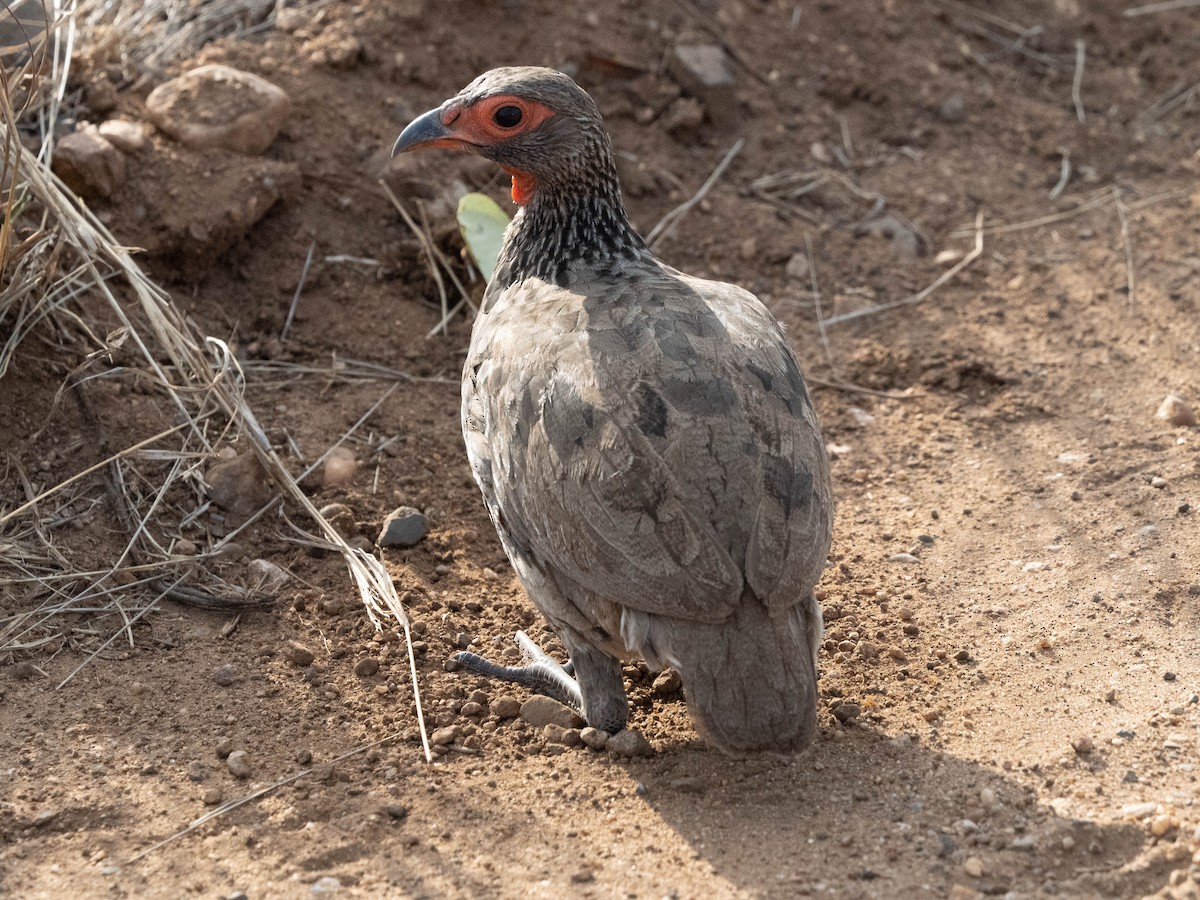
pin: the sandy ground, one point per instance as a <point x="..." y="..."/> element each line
<point x="1019" y="697"/>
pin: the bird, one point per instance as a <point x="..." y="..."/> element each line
<point x="644" y="440"/>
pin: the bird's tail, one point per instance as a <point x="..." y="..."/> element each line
<point x="750" y="681"/>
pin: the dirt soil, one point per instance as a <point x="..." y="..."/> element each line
<point x="1013" y="597"/>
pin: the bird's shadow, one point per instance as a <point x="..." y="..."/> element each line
<point x="875" y="816"/>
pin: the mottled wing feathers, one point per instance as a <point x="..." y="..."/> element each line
<point x="652" y="443"/>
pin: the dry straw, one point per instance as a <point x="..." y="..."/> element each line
<point x="67" y="283"/>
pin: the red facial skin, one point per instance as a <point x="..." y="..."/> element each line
<point x="475" y="126"/>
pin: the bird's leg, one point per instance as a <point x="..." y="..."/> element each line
<point x="598" y="695"/>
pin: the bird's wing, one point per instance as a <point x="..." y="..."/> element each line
<point x="640" y="455"/>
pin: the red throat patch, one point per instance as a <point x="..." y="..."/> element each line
<point x="522" y="186"/>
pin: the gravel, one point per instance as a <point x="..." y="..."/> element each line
<point x="629" y="743"/>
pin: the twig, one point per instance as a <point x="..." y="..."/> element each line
<point x="1064" y="177"/>
<point x="668" y="222"/>
<point x="287" y="324"/>
<point x="1107" y="197"/>
<point x="1165" y="6"/>
<point x="1128" y="245"/>
<point x="1077" y="83"/>
<point x="252" y="796"/>
<point x="921" y="295"/>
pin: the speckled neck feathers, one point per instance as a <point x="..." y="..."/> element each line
<point x="574" y="216"/>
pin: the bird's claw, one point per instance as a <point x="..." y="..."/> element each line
<point x="541" y="673"/>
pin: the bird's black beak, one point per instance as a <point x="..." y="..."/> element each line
<point x="426" y="130"/>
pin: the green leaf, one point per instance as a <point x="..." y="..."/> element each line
<point x="482" y="222"/>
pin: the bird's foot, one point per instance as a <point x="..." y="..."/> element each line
<point x="541" y="673"/>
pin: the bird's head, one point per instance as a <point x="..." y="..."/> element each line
<point x="538" y="124"/>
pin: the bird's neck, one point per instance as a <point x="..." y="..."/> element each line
<point x="576" y="218"/>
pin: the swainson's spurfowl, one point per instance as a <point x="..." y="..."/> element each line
<point x="644" y="440"/>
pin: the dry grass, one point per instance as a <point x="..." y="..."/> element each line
<point x="71" y="296"/>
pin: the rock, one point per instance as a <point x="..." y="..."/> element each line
<point x="215" y="198"/>
<point x="197" y="771"/>
<point x="212" y="796"/>
<point x="903" y="236"/>
<point x="668" y="683"/>
<point x="341" y="517"/>
<point x="23" y="670"/>
<point x="366" y="667"/>
<point x="683" y="118"/>
<point x="847" y="712"/>
<point x="797" y="268"/>
<point x="225" y="676"/>
<point x="973" y="866"/>
<point x="903" y="558"/>
<point x="540" y="711"/>
<point x="326" y="884"/>
<point x="471" y="709"/>
<point x="1161" y="825"/>
<point x="224" y="747"/>
<point x="594" y="738"/>
<point x="403" y="527"/>
<point x="1176" y="412"/>
<point x="265" y="575"/>
<point x="89" y="165"/>
<point x="445" y="736"/>
<point x="629" y="743"/>
<point x="239" y="485"/>
<point x="218" y="106"/>
<point x="126" y="136"/>
<point x="396" y="811"/>
<point x="299" y="654"/>
<point x="340" y="467"/>
<point x="953" y="109"/>
<point x="703" y="71"/>
<point x="239" y="764"/>
<point x="688" y="785"/>
<point x="100" y="94"/>
<point x="505" y="707"/>
<point x="556" y="734"/>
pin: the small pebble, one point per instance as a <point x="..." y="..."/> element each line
<point x="403" y="527"/>
<point x="594" y="738"/>
<point x="1160" y="825"/>
<point x="445" y="736"/>
<point x="327" y="884"/>
<point x="396" y="811"/>
<point x="340" y="467"/>
<point x="225" y="676"/>
<point x="540" y="711"/>
<point x="299" y="654"/>
<point x="471" y="709"/>
<point x="668" y="683"/>
<point x="1168" y="676"/>
<point x="688" y="785"/>
<point x="1158" y="482"/>
<point x="213" y="796"/>
<point x="505" y="707"/>
<point x="22" y="670"/>
<point x="224" y="747"/>
<point x="583" y="876"/>
<point x="1083" y="745"/>
<point x="847" y="712"/>
<point x="239" y="764"/>
<point x="629" y="743"/>
<point x="903" y="558"/>
<point x="366" y="667"/>
<point x="1175" y="411"/>
<point x="973" y="866"/>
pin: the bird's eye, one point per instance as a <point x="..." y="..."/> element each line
<point x="508" y="116"/>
